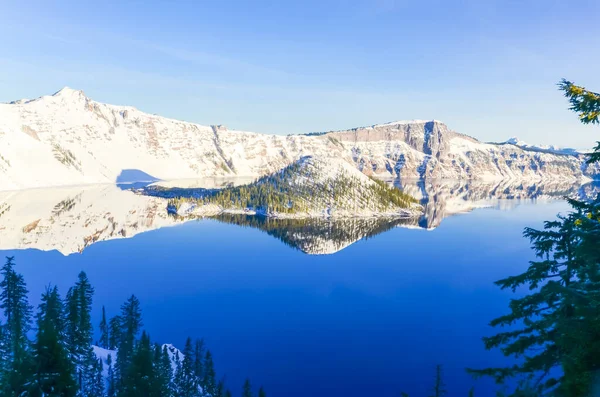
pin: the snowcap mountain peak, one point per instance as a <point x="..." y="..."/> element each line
<point x="68" y="92"/>
<point x="513" y="141"/>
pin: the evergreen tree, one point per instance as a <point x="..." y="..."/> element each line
<point x="80" y="331"/>
<point x="130" y="325"/>
<point x="17" y="314"/>
<point x="439" y="386"/>
<point x="4" y="352"/>
<point x="247" y="389"/>
<point x="95" y="386"/>
<point x="199" y="359"/>
<point x="587" y="104"/>
<point x="54" y="372"/>
<point x="472" y="392"/>
<point x="163" y="370"/>
<point x="177" y="374"/>
<point x="114" y="338"/>
<point x="111" y="381"/>
<point x="558" y="333"/>
<point x="220" y="392"/>
<point x="104" y="341"/>
<point x="261" y="392"/>
<point x="209" y="382"/>
<point x="139" y="379"/>
<point x="187" y="383"/>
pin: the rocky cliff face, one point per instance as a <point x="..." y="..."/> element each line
<point x="69" y="139"/>
<point x="429" y="150"/>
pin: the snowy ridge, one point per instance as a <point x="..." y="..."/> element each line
<point x="68" y="139"/>
<point x="542" y="148"/>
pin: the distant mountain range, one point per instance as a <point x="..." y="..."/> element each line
<point x="69" y="139"/>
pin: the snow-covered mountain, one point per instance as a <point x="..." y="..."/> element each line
<point x="69" y="139"/>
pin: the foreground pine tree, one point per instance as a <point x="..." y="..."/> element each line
<point x="61" y="361"/>
<point x="104" y="340"/>
<point x="187" y="384"/>
<point x="54" y="371"/>
<point x="140" y="377"/>
<point x="199" y="359"/>
<point x="80" y="331"/>
<point x="16" y="356"/>
<point x="557" y="333"/>
<point x="111" y="381"/>
<point x="114" y="333"/>
<point x="96" y="382"/>
<point x="130" y="324"/>
<point x="439" y="388"/>
<point x="247" y="389"/>
<point x="164" y="372"/>
<point x="261" y="392"/>
<point x="209" y="382"/>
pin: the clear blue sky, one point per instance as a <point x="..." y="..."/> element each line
<point x="486" y="68"/>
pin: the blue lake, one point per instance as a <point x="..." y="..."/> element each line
<point x="372" y="319"/>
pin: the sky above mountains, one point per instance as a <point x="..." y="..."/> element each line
<point x="486" y="68"/>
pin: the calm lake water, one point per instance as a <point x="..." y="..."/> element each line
<point x="371" y="319"/>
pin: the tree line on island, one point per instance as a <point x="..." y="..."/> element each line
<point x="282" y="193"/>
<point x="62" y="361"/>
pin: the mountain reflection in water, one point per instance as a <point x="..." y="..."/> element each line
<point x="70" y="219"/>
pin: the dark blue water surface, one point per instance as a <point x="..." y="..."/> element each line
<point x="371" y="320"/>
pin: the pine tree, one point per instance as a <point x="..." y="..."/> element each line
<point x="187" y="383"/>
<point x="261" y="392"/>
<point x="587" y="104"/>
<point x="130" y="325"/>
<point x="111" y="380"/>
<point x="558" y="333"/>
<point x="54" y="372"/>
<point x="114" y="338"/>
<point x="104" y="341"/>
<point x="247" y="389"/>
<point x="439" y="386"/>
<point x="17" y="314"/>
<point x="80" y="331"/>
<point x="140" y="377"/>
<point x="95" y="386"/>
<point x="4" y="352"/>
<point x="220" y="392"/>
<point x="163" y="370"/>
<point x="209" y="382"/>
<point x="472" y="392"/>
<point x="177" y="374"/>
<point x="199" y="359"/>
